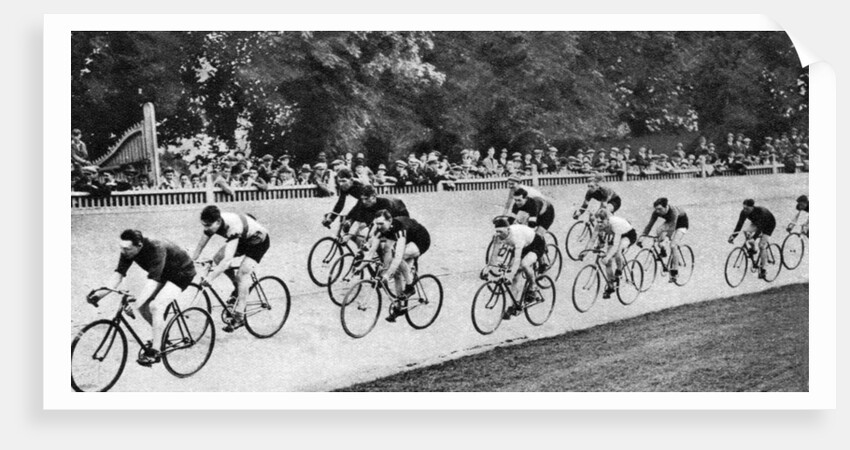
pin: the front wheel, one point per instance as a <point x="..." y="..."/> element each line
<point x="579" y="237"/>
<point x="684" y="264"/>
<point x="649" y="265"/>
<point x="341" y="277"/>
<point x="267" y="307"/>
<point x="541" y="306"/>
<point x="361" y="307"/>
<point x="553" y="254"/>
<point x="424" y="306"/>
<point x="488" y="305"/>
<point x="736" y="267"/>
<point x="586" y="288"/>
<point x="187" y="342"/>
<point x="793" y="248"/>
<point x="772" y="262"/>
<point x="98" y="356"/>
<point x="320" y="258"/>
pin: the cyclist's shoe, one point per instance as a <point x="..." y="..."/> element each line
<point x="542" y="267"/>
<point x="409" y="290"/>
<point x="148" y="356"/>
<point x="662" y="252"/>
<point x="751" y="250"/>
<point x="236" y="321"/>
<point x="509" y="312"/>
<point x="608" y="291"/>
<point x="673" y="274"/>
<point x="531" y="298"/>
<point x="395" y="313"/>
<point x="762" y="274"/>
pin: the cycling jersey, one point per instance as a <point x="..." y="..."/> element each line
<point x="410" y="230"/>
<point x="603" y="195"/>
<point x="355" y="191"/>
<point x="675" y="216"/>
<point x="760" y="217"/>
<point x="242" y="227"/>
<point x="539" y="208"/>
<point x="163" y="261"/>
<point x="365" y="214"/>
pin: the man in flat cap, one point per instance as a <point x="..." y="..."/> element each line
<point x="322" y="178"/>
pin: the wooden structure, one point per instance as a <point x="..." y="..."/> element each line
<point x="136" y="147"/>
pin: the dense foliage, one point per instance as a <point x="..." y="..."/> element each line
<point x="389" y="93"/>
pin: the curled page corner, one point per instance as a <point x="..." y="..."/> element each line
<point x="807" y="57"/>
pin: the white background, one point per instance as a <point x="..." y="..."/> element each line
<point x="821" y="31"/>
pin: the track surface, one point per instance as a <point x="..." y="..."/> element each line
<point x="312" y="353"/>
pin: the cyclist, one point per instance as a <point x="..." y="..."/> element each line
<point x="621" y="236"/>
<point x="513" y="185"/>
<point x="673" y="230"/>
<point x="244" y="237"/>
<point x="606" y="197"/>
<point x="411" y="240"/>
<point x="347" y="187"/>
<point x="367" y="208"/>
<point x="537" y="212"/>
<point x="802" y="205"/>
<point x="170" y="271"/>
<point x="532" y="248"/>
<point x="761" y="226"/>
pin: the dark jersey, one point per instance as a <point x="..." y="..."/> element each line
<point x="533" y="207"/>
<point x="365" y="214"/>
<point x="409" y="229"/>
<point x="601" y="193"/>
<point x="355" y="191"/>
<point x="672" y="217"/>
<point x="163" y="261"/>
<point x="760" y="216"/>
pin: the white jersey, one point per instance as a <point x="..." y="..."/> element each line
<point x="619" y="225"/>
<point x="519" y="236"/>
<point x="231" y="228"/>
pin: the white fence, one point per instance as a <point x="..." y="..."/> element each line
<point x="82" y="201"/>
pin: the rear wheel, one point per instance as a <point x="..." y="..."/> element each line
<point x="649" y="265"/>
<point x="772" y="262"/>
<point x="578" y="238"/>
<point x="631" y="283"/>
<point x="361" y="308"/>
<point x="267" y="307"/>
<point x="736" y="267"/>
<point x="341" y="278"/>
<point x="540" y="309"/>
<point x="550" y="238"/>
<point x="586" y="288"/>
<point x="553" y="253"/>
<point x="98" y="356"/>
<point x="488" y="305"/>
<point x="424" y="306"/>
<point x="793" y="248"/>
<point x="320" y="258"/>
<point x="187" y="342"/>
<point x="684" y="265"/>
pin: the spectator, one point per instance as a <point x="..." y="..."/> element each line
<point x="88" y="183"/>
<point x="401" y="174"/>
<point x="747" y="149"/>
<point x="503" y="159"/>
<point x="537" y="159"/>
<point x="184" y="181"/>
<point x="322" y="178"/>
<point x="128" y="179"/>
<point x="527" y="162"/>
<point x="490" y="163"/>
<point x="663" y="165"/>
<point x="265" y="170"/>
<point x="551" y="160"/>
<point x="79" y="153"/>
<point x="729" y="148"/>
<point x="363" y="173"/>
<point x="252" y="179"/>
<point x="195" y="181"/>
<point x="381" y="177"/>
<point x="286" y="177"/>
<point x="239" y="157"/>
<point x="169" y="180"/>
<point x="349" y="160"/>
<point x="702" y="146"/>
<point x="283" y="162"/>
<point x="304" y="174"/>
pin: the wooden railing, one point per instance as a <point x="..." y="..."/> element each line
<point x="81" y="201"/>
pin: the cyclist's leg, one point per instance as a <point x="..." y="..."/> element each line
<point x="404" y="277"/>
<point x="253" y="255"/>
<point x="527" y="267"/>
<point x="676" y="238"/>
<point x="169" y="292"/>
<point x="763" y="242"/>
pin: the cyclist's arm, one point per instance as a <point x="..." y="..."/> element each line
<point x="400" y="244"/>
<point x="340" y="203"/>
<point x="509" y="203"/>
<point x="652" y="220"/>
<point x="794" y="221"/>
<point x="229" y="253"/>
<point x="740" y="223"/>
<point x="374" y="241"/>
<point x="201" y="244"/>
<point x="114" y="280"/>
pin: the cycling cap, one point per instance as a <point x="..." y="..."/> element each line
<point x="803" y="198"/>
<point x="500" y="222"/>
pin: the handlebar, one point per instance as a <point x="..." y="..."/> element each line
<point x="126" y="297"/>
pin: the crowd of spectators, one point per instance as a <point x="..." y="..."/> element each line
<point x="235" y="170"/>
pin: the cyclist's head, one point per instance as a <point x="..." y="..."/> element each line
<point x="210" y="218"/>
<point x="368" y="195"/>
<point x="344" y="178"/>
<point x="749" y="204"/>
<point x="131" y="242"/>
<point x="803" y="199"/>
<point x="513" y="180"/>
<point x="603" y="215"/>
<point x="383" y="220"/>
<point x="520" y="196"/>
<point x="660" y="205"/>
<point x="501" y="223"/>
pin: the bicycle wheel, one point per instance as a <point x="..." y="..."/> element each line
<point x="586" y="288"/>
<point x="341" y="277"/>
<point x="631" y="283"/>
<point x="540" y="309"/>
<point x="553" y="254"/>
<point x="97" y="357"/>
<point x="649" y="265"/>
<point x="424" y="306"/>
<point x="772" y="262"/>
<point x="578" y="238"/>
<point x="320" y="258"/>
<point x="551" y="238"/>
<point x="361" y="308"/>
<point x="193" y="297"/>
<point x="489" y="253"/>
<point x="685" y="265"/>
<point x="267" y="307"/>
<point x="736" y="267"/>
<point x="187" y="342"/>
<point x="793" y="248"/>
<point x="488" y="305"/>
